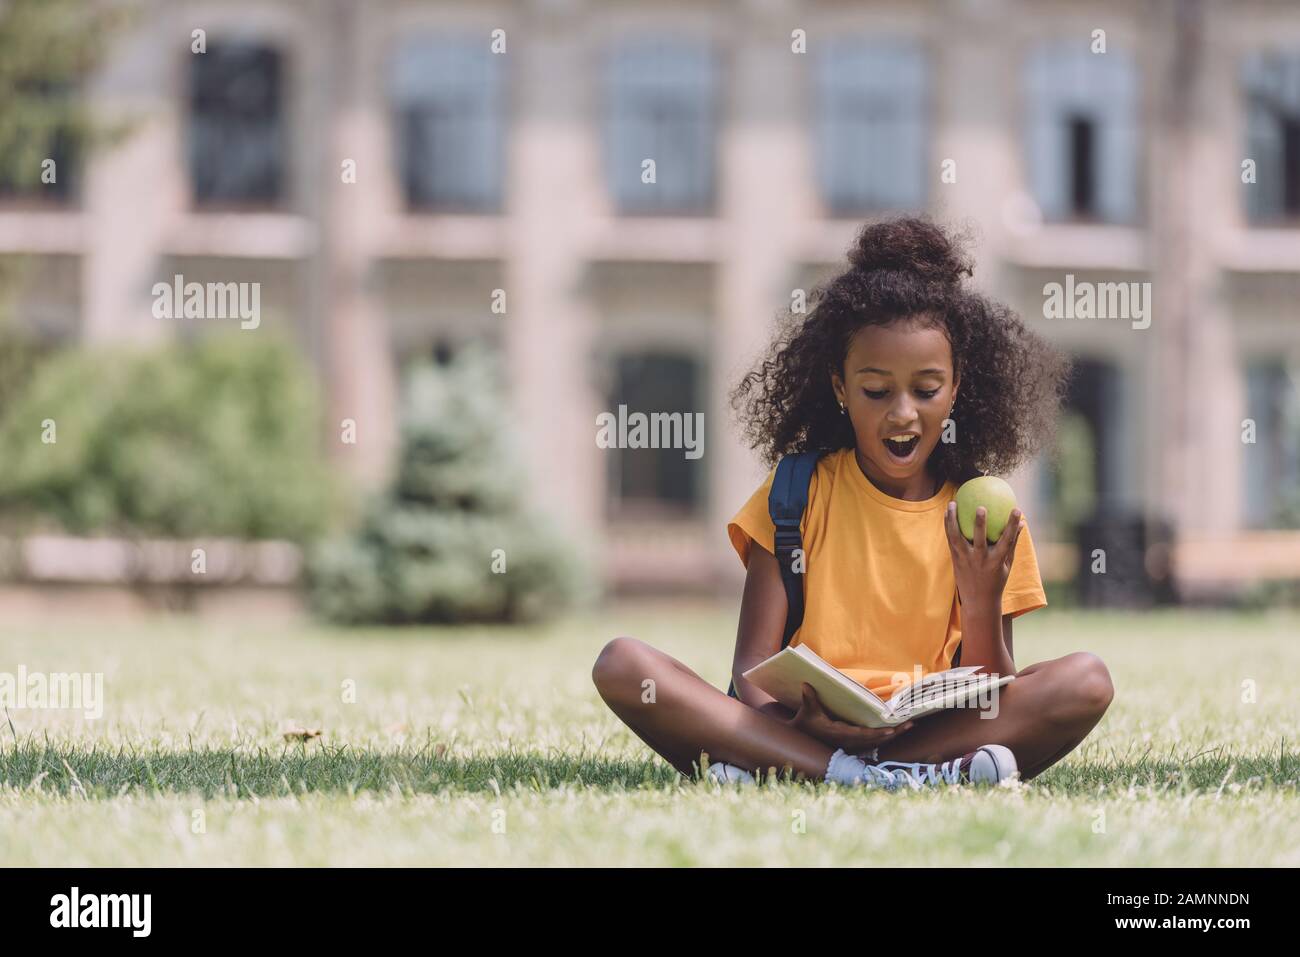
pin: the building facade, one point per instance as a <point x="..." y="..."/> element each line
<point x="622" y="197"/>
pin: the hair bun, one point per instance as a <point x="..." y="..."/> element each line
<point x="909" y="245"/>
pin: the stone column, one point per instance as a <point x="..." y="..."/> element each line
<point x="133" y="190"/>
<point x="355" y="344"/>
<point x="1182" y="278"/>
<point x="761" y="162"/>
<point x="547" y="341"/>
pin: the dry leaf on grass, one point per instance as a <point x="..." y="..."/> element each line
<point x="302" y="734"/>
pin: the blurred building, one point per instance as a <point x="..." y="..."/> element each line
<point x="498" y="152"/>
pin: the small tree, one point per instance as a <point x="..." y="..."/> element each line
<point x="451" y="541"/>
<point x="1072" y="467"/>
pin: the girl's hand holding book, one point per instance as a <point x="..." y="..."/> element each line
<point x="981" y="569"/>
<point x="813" y="720"/>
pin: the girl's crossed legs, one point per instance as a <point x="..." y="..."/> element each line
<point x="1041" y="716"/>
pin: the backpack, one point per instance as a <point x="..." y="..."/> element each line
<point x="786" y="501"/>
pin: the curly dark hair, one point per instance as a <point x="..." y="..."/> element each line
<point x="1012" y="380"/>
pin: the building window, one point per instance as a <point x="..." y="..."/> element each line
<point x="871" y="119"/>
<point x="1272" y="463"/>
<point x="1272" y="90"/>
<point x="661" y="106"/>
<point x="1083" y="163"/>
<point x="447" y="103"/>
<point x="656" y="482"/>
<point x="237" y="139"/>
<point x="1082" y="137"/>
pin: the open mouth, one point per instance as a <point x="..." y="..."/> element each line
<point x="902" y="448"/>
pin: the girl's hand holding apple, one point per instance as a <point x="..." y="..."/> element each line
<point x="980" y="568"/>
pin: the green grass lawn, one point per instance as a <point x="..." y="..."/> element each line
<point x="490" y="746"/>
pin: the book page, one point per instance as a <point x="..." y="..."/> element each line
<point x="952" y="678"/>
<point x="944" y="698"/>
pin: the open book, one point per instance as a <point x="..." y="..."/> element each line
<point x="784" y="674"/>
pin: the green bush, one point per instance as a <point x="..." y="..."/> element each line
<point x="1269" y="595"/>
<point x="220" y="438"/>
<point x="451" y="541"/>
<point x="1072" y="467"/>
<point x="1061" y="594"/>
<point x="20" y="353"/>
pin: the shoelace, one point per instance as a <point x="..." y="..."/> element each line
<point x="874" y="775"/>
<point x="918" y="774"/>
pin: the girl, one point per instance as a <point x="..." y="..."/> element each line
<point x="911" y="383"/>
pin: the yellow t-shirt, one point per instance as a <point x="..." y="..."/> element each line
<point x="879" y="594"/>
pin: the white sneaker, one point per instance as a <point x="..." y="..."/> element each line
<point x="729" y="774"/>
<point x="989" y="764"/>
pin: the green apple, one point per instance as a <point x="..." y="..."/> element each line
<point x="998" y="501"/>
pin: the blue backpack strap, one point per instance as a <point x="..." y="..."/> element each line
<point x="786" y="501"/>
<point x="785" y="505"/>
